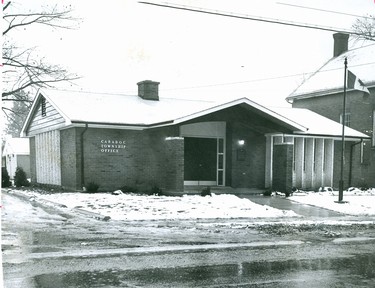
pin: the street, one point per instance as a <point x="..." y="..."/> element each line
<point x="48" y="247"/>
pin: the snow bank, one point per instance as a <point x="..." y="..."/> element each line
<point x="143" y="207"/>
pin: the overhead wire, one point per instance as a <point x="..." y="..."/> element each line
<point x="261" y="79"/>
<point x="325" y="10"/>
<point x="250" y="17"/>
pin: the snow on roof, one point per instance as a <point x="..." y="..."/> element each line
<point x="330" y="77"/>
<point x="17" y="146"/>
<point x="317" y="124"/>
<point x="121" y="109"/>
<point x="107" y="109"/>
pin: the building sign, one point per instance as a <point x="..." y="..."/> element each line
<point x="111" y="146"/>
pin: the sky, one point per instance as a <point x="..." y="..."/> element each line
<point x="118" y="43"/>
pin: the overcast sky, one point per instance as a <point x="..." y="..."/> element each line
<point x="194" y="55"/>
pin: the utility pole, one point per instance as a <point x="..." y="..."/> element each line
<point x="341" y="183"/>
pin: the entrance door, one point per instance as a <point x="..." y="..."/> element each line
<point x="200" y="161"/>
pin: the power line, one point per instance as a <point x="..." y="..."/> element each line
<point x="249" y="17"/>
<point x="324" y="10"/>
<point x="261" y="79"/>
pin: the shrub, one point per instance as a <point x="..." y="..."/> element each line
<point x="155" y="190"/>
<point x="92" y="187"/>
<point x="20" y="178"/>
<point x="267" y="192"/>
<point x="5" y="179"/>
<point x="128" y="189"/>
<point x="206" y="191"/>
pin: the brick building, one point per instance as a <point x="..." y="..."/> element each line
<point x="323" y="93"/>
<point x="143" y="141"/>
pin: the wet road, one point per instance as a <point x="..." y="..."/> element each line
<point x="48" y="248"/>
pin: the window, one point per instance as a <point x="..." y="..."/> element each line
<point x="43" y="106"/>
<point x="347" y="119"/>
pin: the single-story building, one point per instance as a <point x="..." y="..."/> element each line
<point x="15" y="154"/>
<point x="143" y="140"/>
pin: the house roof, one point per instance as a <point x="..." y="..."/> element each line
<point x="329" y="78"/>
<point x="16" y="146"/>
<point x="317" y="124"/>
<point x="131" y="111"/>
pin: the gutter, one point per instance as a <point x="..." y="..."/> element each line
<point x="83" y="158"/>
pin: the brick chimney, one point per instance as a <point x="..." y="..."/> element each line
<point x="148" y="90"/>
<point x="340" y="43"/>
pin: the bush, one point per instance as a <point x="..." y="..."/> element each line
<point x="128" y="189"/>
<point x="5" y="179"/>
<point x="155" y="190"/>
<point x="20" y="178"/>
<point x="206" y="191"/>
<point x="92" y="187"/>
<point x="267" y="192"/>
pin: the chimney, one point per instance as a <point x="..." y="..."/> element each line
<point x="340" y="43"/>
<point x="148" y="90"/>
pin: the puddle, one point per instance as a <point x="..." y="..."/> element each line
<point x="341" y="272"/>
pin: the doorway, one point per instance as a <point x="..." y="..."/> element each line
<point x="203" y="161"/>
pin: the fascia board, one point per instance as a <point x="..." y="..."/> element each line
<point x="33" y="109"/>
<point x="237" y="102"/>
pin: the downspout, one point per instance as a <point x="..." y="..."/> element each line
<point x="351" y="161"/>
<point x="82" y="159"/>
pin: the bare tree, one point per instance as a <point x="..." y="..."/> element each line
<point x="23" y="71"/>
<point x="17" y="114"/>
<point x="364" y="28"/>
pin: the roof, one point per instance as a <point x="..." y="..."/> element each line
<point x="133" y="112"/>
<point x="329" y="78"/>
<point x="16" y="146"/>
<point x="317" y="124"/>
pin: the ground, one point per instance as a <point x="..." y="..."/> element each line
<point x="69" y="240"/>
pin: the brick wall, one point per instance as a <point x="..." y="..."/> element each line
<point x="361" y="107"/>
<point x="248" y="160"/>
<point x="359" y="104"/>
<point x="115" y="158"/>
<point x="282" y="167"/>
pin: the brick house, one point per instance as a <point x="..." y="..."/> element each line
<point x="143" y="140"/>
<point x="323" y="93"/>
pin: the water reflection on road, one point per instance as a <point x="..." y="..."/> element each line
<point x="356" y="271"/>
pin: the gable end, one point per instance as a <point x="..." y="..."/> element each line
<point x="44" y="118"/>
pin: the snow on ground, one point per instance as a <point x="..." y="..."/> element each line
<point x="143" y="207"/>
<point x="356" y="202"/>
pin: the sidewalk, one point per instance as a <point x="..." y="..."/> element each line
<point x="286" y="204"/>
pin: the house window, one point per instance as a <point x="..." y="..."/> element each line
<point x="44" y="113"/>
<point x="347" y="119"/>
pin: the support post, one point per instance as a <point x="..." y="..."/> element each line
<point x="341" y="183"/>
